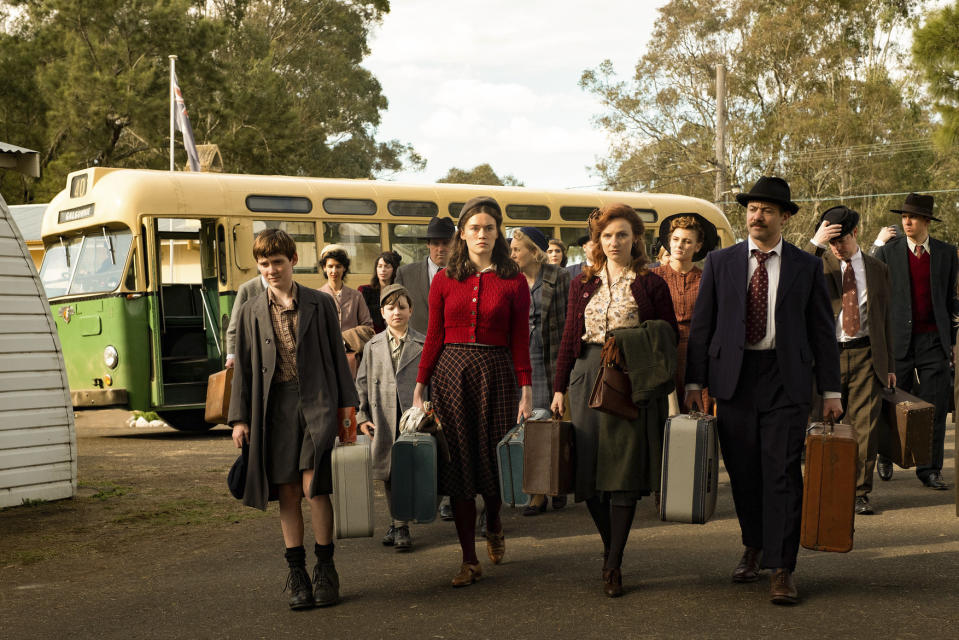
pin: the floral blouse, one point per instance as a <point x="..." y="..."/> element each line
<point x="611" y="307"/>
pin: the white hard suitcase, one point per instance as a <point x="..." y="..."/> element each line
<point x="690" y="469"/>
<point x="352" y="491"/>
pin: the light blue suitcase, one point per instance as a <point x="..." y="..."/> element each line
<point x="509" y="455"/>
<point x="413" y="477"/>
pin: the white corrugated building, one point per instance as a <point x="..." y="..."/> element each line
<point x="38" y="447"/>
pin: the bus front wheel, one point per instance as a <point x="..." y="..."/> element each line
<point x="186" y="420"/>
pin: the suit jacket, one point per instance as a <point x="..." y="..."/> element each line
<point x="651" y="295"/>
<point x="385" y="393"/>
<point x="805" y="329"/>
<point x="249" y="289"/>
<point x="945" y="304"/>
<point x="575" y="270"/>
<point x="878" y="304"/>
<point x="324" y="379"/>
<point x="555" y="297"/>
<point x="416" y="278"/>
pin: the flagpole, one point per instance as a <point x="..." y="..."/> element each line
<point x="172" y="108"/>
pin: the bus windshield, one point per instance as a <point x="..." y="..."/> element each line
<point x="91" y="263"/>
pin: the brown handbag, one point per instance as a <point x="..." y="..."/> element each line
<point x="612" y="390"/>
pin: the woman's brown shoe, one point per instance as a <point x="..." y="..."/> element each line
<point x="469" y="573"/>
<point x="496" y="546"/>
<point x="613" y="582"/>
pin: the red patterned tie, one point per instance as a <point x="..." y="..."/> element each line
<point x="850" y="302"/>
<point x="757" y="302"/>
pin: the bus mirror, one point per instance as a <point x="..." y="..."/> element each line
<point x="243" y="246"/>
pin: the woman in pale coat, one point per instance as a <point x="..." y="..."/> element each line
<point x="385" y="383"/>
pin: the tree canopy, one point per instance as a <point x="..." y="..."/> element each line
<point x="816" y="93"/>
<point x="277" y="84"/>
<point x="480" y="174"/>
<point x="935" y="50"/>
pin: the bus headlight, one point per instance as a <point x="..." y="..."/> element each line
<point x="110" y="357"/>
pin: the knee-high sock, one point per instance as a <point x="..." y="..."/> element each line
<point x="464" y="515"/>
<point x="621" y="521"/>
<point x="493" y="505"/>
<point x="599" y="510"/>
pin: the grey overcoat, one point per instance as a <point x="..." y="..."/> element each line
<point x="381" y="391"/>
<point x="324" y="377"/>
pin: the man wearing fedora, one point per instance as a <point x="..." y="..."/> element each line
<point x="923" y="273"/>
<point x="762" y="332"/>
<point x="860" y="290"/>
<point x="418" y="276"/>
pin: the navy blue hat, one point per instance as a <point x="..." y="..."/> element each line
<point x="848" y="218"/>
<point x="536" y="237"/>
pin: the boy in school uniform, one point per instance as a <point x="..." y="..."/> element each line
<point x="290" y="377"/>
<point x="385" y="384"/>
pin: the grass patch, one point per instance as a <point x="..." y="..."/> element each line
<point x="106" y="491"/>
<point x="186" y="512"/>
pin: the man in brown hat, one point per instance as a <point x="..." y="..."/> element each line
<point x="923" y="272"/>
<point x="859" y="289"/>
<point x="762" y="333"/>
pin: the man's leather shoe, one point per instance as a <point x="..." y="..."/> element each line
<point x="559" y="502"/>
<point x="326" y="584"/>
<point x="446" y="511"/>
<point x="748" y="568"/>
<point x="301" y="590"/>
<point x="884" y="468"/>
<point x="390" y="537"/>
<point x="612" y="582"/>
<point x="863" y="508"/>
<point x="934" y="481"/>
<point x="404" y="541"/>
<point x="782" y="588"/>
<point x="469" y="573"/>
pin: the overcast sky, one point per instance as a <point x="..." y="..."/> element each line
<point x="497" y="81"/>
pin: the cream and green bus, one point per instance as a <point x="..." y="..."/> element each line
<point x="141" y="267"/>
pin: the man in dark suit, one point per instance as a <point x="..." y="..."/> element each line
<point x="418" y="276"/>
<point x="923" y="272"/>
<point x="576" y="270"/>
<point x="859" y="289"/>
<point x="762" y="331"/>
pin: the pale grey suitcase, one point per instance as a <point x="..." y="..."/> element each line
<point x="690" y="469"/>
<point x="352" y="491"/>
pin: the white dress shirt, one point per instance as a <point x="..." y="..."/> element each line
<point x="432" y="268"/>
<point x="772" y="269"/>
<point x="912" y="245"/>
<point x="858" y="268"/>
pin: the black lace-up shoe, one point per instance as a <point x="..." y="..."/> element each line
<point x="326" y="584"/>
<point x="301" y="591"/>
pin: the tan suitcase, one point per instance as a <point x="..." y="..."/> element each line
<point x="352" y="491"/>
<point x="218" y="389"/>
<point x="905" y="431"/>
<point x="829" y="487"/>
<point x="548" y="464"/>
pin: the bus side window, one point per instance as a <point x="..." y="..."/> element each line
<point x="143" y="245"/>
<point x="130" y="284"/>
<point x="221" y="252"/>
<point x="303" y="233"/>
<point x="361" y="240"/>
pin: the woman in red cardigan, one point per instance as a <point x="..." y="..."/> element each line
<point x="476" y="361"/>
<point x="616" y="459"/>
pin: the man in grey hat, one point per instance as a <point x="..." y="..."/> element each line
<point x="418" y="276"/>
<point x="923" y="272"/>
<point x="859" y="289"/>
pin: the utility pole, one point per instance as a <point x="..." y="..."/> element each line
<point x="720" y="188"/>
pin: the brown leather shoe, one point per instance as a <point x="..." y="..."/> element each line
<point x="748" y="568"/>
<point x="782" y="588"/>
<point x="496" y="546"/>
<point x="613" y="582"/>
<point x="469" y="573"/>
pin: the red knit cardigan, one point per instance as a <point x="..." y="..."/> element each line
<point x="652" y="297"/>
<point x="482" y="309"/>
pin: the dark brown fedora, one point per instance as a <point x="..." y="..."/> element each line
<point x="918" y="204"/>
<point x="769" y="189"/>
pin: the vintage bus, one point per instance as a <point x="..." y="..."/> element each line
<point x="141" y="267"/>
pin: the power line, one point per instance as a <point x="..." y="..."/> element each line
<point x="857" y="197"/>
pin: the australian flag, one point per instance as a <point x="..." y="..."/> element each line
<point x="183" y="124"/>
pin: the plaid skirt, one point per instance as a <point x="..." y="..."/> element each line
<point x="476" y="397"/>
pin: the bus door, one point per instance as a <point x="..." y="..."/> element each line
<point x="186" y="316"/>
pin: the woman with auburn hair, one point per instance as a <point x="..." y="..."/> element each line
<point x="476" y="362"/>
<point x="617" y="460"/>
<point x="687" y="238"/>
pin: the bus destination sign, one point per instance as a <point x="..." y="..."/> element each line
<point x="69" y="215"/>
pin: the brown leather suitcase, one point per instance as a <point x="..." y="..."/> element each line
<point x="829" y="487"/>
<point x="218" y="389"/>
<point x="905" y="430"/>
<point x="548" y="464"/>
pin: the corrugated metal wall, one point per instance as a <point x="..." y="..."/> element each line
<point x="38" y="451"/>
